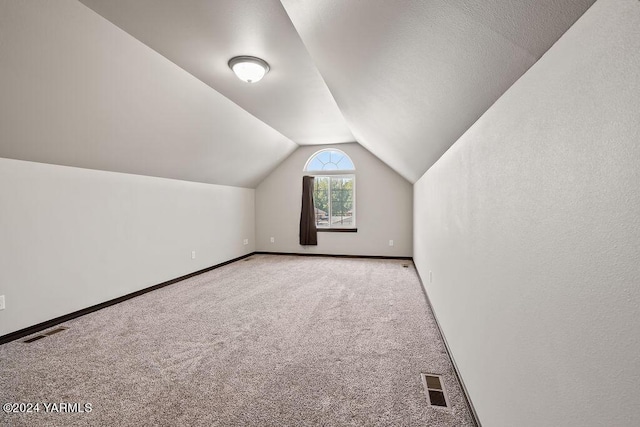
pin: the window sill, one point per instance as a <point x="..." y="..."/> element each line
<point x="337" y="230"/>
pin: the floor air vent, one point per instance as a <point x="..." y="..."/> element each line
<point x="46" y="334"/>
<point x="434" y="389"/>
<point x="56" y="330"/>
<point x="36" y="338"/>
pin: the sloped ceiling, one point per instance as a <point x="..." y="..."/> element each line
<point x="403" y="78"/>
<point x="202" y="35"/>
<point x="78" y="91"/>
<point x="412" y="76"/>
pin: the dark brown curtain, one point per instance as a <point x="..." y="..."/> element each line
<point x="308" y="231"/>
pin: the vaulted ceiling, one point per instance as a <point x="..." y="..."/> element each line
<point x="410" y="77"/>
<point x="404" y="78"/>
<point x="202" y="35"/>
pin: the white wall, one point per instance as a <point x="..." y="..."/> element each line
<point x="530" y="224"/>
<point x="71" y="238"/>
<point x="383" y="208"/>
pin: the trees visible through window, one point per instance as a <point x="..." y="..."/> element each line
<point x="334" y="190"/>
<point x="333" y="199"/>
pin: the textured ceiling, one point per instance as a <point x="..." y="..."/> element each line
<point x="411" y="76"/>
<point x="202" y="35"/>
<point x="403" y="78"/>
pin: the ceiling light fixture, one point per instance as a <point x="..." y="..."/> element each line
<point x="249" y="68"/>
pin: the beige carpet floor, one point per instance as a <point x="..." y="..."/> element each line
<point x="267" y="341"/>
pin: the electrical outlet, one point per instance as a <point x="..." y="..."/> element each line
<point x="245" y="242"/>
<point x="273" y="240"/>
<point x="390" y="242"/>
<point x="1" y="302"/>
<point x="193" y="254"/>
<point x="430" y="276"/>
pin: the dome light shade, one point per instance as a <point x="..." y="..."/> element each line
<point x="249" y="68"/>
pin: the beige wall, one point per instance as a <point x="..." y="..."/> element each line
<point x="530" y="224"/>
<point x="71" y="238"/>
<point x="383" y="208"/>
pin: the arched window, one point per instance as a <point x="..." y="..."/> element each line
<point x="329" y="160"/>
<point x="334" y="194"/>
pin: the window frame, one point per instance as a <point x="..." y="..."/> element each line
<point x="337" y="174"/>
<point x="314" y="155"/>
<point x="340" y="173"/>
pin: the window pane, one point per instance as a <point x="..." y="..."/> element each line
<point x="345" y="163"/>
<point x="341" y="202"/>
<point x="330" y="160"/>
<point x="321" y="200"/>
<point x="315" y="165"/>
<point x="324" y="157"/>
<point x="330" y="167"/>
